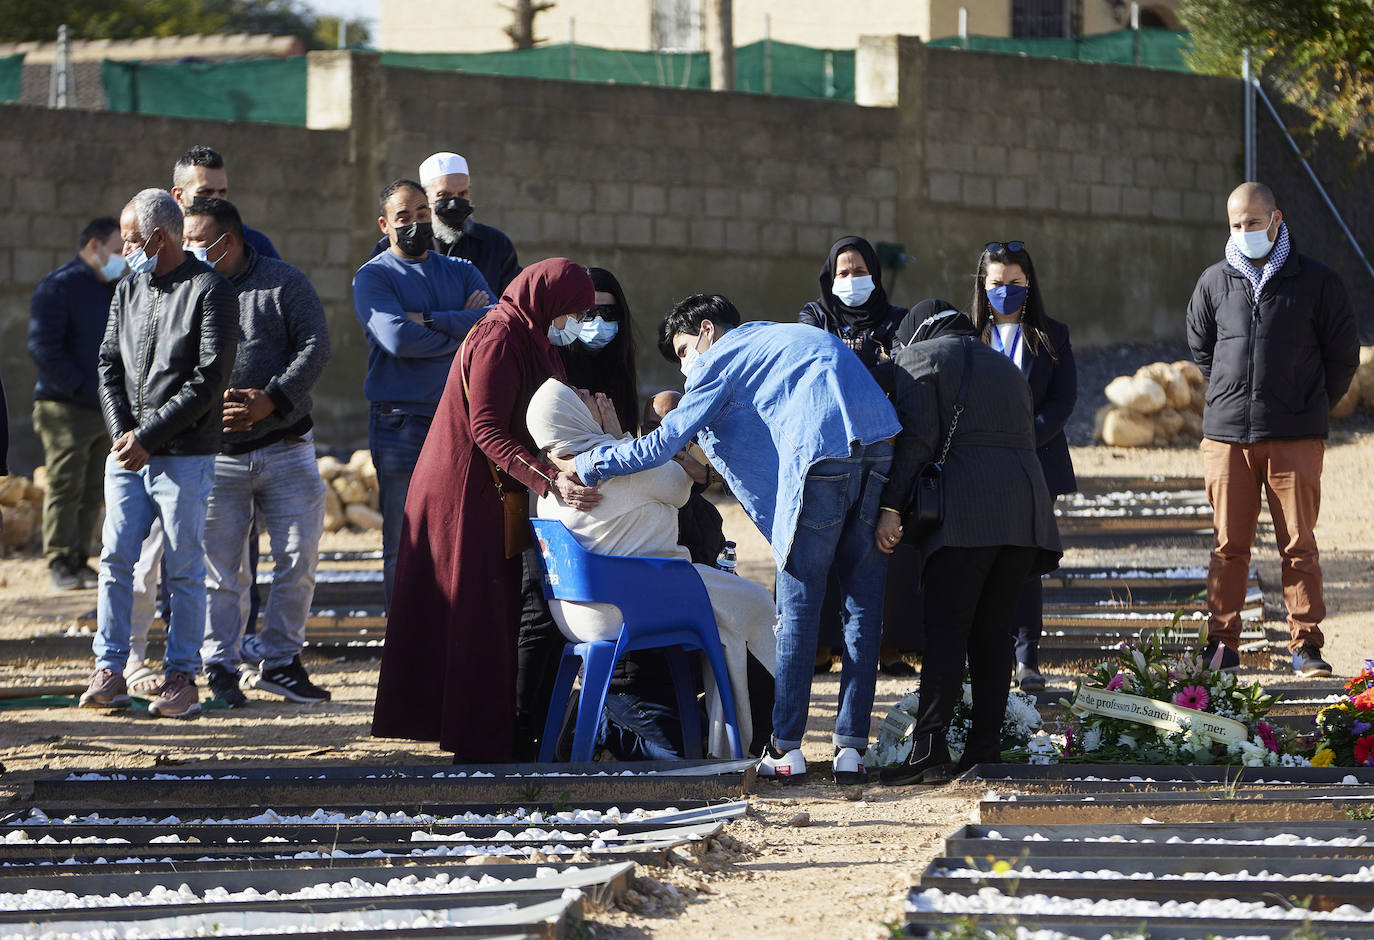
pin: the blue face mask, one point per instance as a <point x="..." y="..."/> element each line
<point x="140" y="262"/>
<point x="113" y="268"/>
<point x="566" y="336"/>
<point x="1007" y="298"/>
<point x="598" y="331"/>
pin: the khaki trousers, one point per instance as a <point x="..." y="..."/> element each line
<point x="1289" y="474"/>
<point x="75" y="446"/>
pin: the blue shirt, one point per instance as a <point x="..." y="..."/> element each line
<point x="408" y="362"/>
<point x="66" y="324"/>
<point x="259" y="242"/>
<point x="766" y="402"/>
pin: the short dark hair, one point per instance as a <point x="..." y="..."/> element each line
<point x="391" y="188"/>
<point x="688" y="315"/>
<point x="221" y="211"/>
<point x="99" y="229"/>
<point x="199" y="155"/>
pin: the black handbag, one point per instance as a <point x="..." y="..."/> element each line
<point x="927" y="510"/>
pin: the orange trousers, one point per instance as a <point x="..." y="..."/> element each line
<point x="1289" y="474"/>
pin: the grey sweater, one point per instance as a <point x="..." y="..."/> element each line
<point x="283" y="350"/>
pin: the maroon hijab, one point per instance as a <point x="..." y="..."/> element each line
<point x="540" y="294"/>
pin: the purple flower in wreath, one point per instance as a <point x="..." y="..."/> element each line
<point x="1192" y="696"/>
<point x="1117" y="682"/>
<point x="1268" y="735"/>
<point x="1361" y="727"/>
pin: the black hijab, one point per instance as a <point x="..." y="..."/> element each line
<point x="947" y="322"/>
<point x="876" y="309"/>
<point x="919" y="314"/>
<point x="610" y="369"/>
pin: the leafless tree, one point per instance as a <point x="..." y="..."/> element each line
<point x="521" y="29"/>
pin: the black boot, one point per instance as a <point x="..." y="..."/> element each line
<point x="929" y="763"/>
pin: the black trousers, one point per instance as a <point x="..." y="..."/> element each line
<point x="1029" y="621"/>
<point x="970" y="599"/>
<point x="539" y="648"/>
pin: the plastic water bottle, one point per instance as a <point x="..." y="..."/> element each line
<point x="727" y="559"/>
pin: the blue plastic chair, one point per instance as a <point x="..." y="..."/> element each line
<point x="664" y="605"/>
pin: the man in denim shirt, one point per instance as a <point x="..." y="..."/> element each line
<point x="802" y="435"/>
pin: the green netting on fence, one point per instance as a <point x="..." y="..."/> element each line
<point x="1154" y="48"/>
<point x="11" y="76"/>
<point x="774" y="67"/>
<point x="267" y="90"/>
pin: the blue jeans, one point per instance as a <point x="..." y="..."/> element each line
<point x="839" y="513"/>
<point x="395" y="438"/>
<point x="637" y="728"/>
<point x="281" y="483"/>
<point x="175" y="491"/>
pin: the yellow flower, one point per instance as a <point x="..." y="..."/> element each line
<point x="1323" y="757"/>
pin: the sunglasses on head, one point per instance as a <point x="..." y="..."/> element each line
<point x="994" y="247"/>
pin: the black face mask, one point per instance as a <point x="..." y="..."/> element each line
<point x="454" y="210"/>
<point x="415" y="239"/>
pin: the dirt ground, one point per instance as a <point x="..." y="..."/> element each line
<point x="844" y="874"/>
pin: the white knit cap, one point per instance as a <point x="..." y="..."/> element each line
<point x="441" y="164"/>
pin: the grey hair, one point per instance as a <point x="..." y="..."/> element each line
<point x="156" y="208"/>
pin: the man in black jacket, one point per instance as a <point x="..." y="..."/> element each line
<point x="1274" y="333"/>
<point x="164" y="363"/>
<point x="66" y="322"/>
<point x="448" y="187"/>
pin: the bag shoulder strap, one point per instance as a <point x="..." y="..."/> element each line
<point x="958" y="400"/>
<point x="463" y="374"/>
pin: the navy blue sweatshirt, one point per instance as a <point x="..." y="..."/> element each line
<point x="66" y="324"/>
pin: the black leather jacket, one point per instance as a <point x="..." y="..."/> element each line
<point x="165" y="361"/>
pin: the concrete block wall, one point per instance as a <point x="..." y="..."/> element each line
<point x="1116" y="178"/>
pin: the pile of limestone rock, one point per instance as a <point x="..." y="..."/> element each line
<point x="21" y="504"/>
<point x="350" y="499"/>
<point x="1161" y="404"/>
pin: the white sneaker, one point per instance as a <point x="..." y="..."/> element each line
<point x="849" y="766"/>
<point x="789" y="767"/>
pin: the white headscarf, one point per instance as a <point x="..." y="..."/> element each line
<point x="560" y="423"/>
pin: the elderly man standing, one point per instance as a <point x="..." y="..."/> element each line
<point x="164" y="365"/>
<point x="448" y="186"/>
<point x="416" y="306"/>
<point x="266" y="462"/>
<point x="66" y="322"/>
<point x="802" y="435"/>
<point x="1274" y="333"/>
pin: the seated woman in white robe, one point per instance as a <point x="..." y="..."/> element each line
<point x="638" y="516"/>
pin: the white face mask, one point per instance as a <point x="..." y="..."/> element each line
<point x="853" y="291"/>
<point x="566" y="336"/>
<point x="1254" y="244"/>
<point x="690" y="357"/>
<point x="140" y="262"/>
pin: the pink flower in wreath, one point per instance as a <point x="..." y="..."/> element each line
<point x="1117" y="682"/>
<point x="1268" y="735"/>
<point x="1192" y="696"/>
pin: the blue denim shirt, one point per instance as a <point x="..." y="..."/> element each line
<point x="766" y="402"/>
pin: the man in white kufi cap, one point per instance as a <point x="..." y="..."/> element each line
<point x="448" y="187"/>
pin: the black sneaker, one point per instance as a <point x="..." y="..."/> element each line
<point x="63" y="577"/>
<point x="224" y="685"/>
<point x="86" y="575"/>
<point x="290" y="682"/>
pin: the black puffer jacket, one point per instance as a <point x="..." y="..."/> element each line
<point x="165" y="361"/>
<point x="1274" y="368"/>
